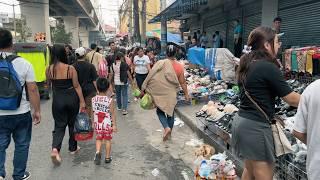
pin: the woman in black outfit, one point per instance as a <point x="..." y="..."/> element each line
<point x="67" y="100"/>
<point x="259" y="74"/>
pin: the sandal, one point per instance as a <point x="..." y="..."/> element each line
<point x="55" y="157"/>
<point x="166" y="134"/>
<point x="108" y="160"/>
<point x="76" y="151"/>
<point x="200" y="113"/>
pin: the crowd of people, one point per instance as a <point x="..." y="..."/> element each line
<point x="86" y="81"/>
<point x="82" y="81"/>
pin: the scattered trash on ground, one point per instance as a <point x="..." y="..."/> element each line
<point x="155" y="172"/>
<point x="178" y="122"/>
<point x="194" y="142"/>
<point x="159" y="130"/>
<point x="187" y="174"/>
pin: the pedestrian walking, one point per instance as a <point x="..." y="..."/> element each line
<point x="87" y="76"/>
<point x="162" y="83"/>
<point x="237" y="39"/>
<point x="260" y="82"/>
<point x="152" y="57"/>
<point x="94" y="57"/>
<point x="111" y="55"/>
<point x="142" y="67"/>
<point x="70" y="54"/>
<point x="15" y="117"/>
<point x="204" y="40"/>
<point x="104" y="120"/>
<point x="216" y="40"/>
<point x="307" y="126"/>
<point x="120" y="73"/>
<point x="67" y="100"/>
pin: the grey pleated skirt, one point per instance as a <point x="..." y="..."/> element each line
<point x="252" y="140"/>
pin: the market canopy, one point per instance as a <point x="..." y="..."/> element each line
<point x="178" y="8"/>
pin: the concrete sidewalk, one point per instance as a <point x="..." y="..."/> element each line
<point x="187" y="113"/>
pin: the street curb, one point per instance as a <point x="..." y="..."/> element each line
<point x="206" y="138"/>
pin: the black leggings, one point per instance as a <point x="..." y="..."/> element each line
<point x="65" y="107"/>
<point x="140" y="79"/>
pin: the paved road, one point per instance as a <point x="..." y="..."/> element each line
<point x="137" y="150"/>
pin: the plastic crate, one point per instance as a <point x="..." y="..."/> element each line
<point x="286" y="170"/>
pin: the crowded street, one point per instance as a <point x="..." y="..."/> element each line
<point x="137" y="151"/>
<point x="159" y="89"/>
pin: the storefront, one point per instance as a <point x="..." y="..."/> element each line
<point x="299" y="18"/>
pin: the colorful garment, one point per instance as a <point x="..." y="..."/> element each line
<point x="287" y="59"/>
<point x="102" y="117"/>
<point x="301" y="59"/>
<point x="309" y="64"/>
<point x="294" y="63"/>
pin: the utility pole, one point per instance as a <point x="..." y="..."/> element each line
<point x="144" y="20"/>
<point x="137" y="35"/>
<point x="163" y="29"/>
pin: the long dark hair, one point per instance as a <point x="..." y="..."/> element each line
<point x="257" y="38"/>
<point x="58" y="54"/>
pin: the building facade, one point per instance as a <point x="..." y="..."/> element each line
<point x="299" y="18"/>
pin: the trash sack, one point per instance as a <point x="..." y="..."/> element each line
<point x="83" y="123"/>
<point x="146" y="102"/>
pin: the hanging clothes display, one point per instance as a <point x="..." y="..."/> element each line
<point x="309" y="65"/>
<point x="287" y="59"/>
<point x="294" y="63"/>
<point x="301" y="60"/>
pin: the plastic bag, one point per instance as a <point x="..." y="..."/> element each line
<point x="135" y="90"/>
<point x="146" y="102"/>
<point x="83" y="136"/>
<point x="83" y="123"/>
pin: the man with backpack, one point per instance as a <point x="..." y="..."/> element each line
<point x="17" y="86"/>
<point x="95" y="57"/>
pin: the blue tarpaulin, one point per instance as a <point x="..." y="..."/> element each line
<point x="210" y="60"/>
<point x="175" y="38"/>
<point x="197" y="56"/>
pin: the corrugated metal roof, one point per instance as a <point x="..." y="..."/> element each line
<point x="178" y="8"/>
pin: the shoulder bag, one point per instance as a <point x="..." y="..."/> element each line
<point x="281" y="143"/>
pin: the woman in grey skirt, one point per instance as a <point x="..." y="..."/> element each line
<point x="259" y="74"/>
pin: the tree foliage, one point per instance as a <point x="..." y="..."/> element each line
<point x="59" y="34"/>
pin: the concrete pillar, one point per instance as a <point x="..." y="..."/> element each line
<point x="84" y="36"/>
<point x="269" y="12"/>
<point x="37" y="18"/>
<point x="71" y="24"/>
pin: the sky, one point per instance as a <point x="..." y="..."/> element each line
<point x="8" y="9"/>
<point x="109" y="9"/>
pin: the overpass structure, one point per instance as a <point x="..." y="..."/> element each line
<point x="79" y="17"/>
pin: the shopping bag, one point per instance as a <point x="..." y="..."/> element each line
<point x="146" y="102"/>
<point x="82" y="123"/>
<point x="135" y="90"/>
<point x="83" y="136"/>
<point x="83" y="127"/>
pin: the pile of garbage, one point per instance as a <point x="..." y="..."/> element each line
<point x="211" y="166"/>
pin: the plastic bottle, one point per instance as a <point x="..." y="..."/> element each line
<point x="205" y="169"/>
